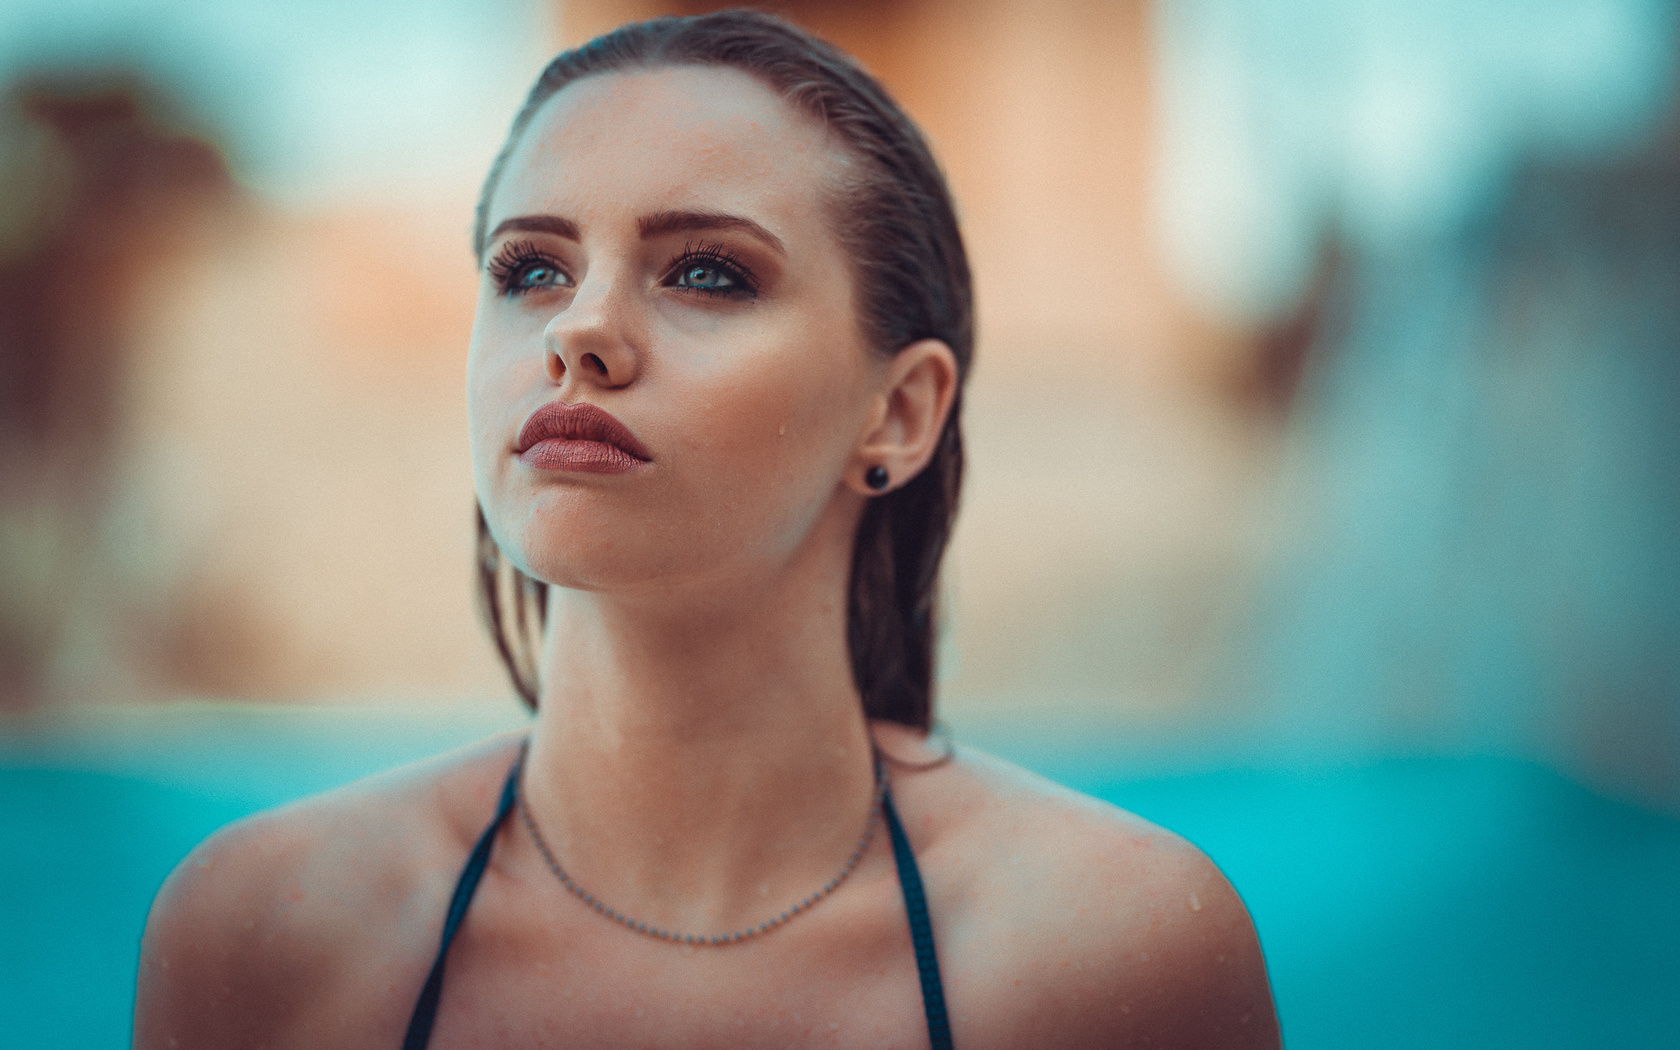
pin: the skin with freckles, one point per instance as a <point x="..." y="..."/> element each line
<point x="661" y="250"/>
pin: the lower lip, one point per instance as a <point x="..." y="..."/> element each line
<point x="582" y="457"/>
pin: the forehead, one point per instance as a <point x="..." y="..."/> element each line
<point x="670" y="138"/>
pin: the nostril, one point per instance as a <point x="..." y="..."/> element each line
<point x="596" y="363"/>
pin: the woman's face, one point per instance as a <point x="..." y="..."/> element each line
<point x="659" y="248"/>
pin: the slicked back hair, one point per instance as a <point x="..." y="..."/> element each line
<point x="893" y="214"/>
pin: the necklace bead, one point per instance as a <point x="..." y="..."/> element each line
<point x="715" y="940"/>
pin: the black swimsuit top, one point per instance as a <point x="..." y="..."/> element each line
<point x="909" y="881"/>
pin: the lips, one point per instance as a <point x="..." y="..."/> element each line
<point x="579" y="438"/>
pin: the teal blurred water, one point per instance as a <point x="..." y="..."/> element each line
<point x="1402" y="903"/>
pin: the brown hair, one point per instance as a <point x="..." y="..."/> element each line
<point x="894" y="215"/>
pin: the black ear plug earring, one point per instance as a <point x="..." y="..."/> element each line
<point x="876" y="477"/>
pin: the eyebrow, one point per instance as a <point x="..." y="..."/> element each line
<point x="656" y="225"/>
<point x="663" y="222"/>
<point x="538" y="224"/>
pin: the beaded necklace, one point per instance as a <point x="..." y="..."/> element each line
<point x="736" y="936"/>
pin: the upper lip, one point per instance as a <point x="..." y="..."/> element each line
<point x="579" y="422"/>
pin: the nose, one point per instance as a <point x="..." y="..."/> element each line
<point x="592" y="341"/>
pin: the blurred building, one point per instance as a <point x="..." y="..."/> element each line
<point x="1347" y="324"/>
<point x="102" y="198"/>
<point x="1488" y="464"/>
<point x="1478" y="547"/>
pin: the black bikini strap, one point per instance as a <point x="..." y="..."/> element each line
<point x="425" y="1008"/>
<point x="909" y="879"/>
<point x="921" y="930"/>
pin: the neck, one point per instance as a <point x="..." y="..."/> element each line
<point x="701" y="761"/>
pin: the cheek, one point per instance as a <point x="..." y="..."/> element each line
<point x="497" y="371"/>
<point x="482" y="401"/>
<point x="775" y="436"/>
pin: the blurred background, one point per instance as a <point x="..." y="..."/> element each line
<point x="1362" y="319"/>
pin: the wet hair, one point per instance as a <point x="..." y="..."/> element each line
<point x="893" y="214"/>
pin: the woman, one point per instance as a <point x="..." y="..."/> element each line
<point x="723" y="323"/>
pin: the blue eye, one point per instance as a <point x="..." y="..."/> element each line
<point x="711" y="270"/>
<point x="535" y="275"/>
<point x="702" y="275"/>
<point x="519" y="268"/>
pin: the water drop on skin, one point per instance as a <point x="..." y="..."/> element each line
<point x="1195" y="904"/>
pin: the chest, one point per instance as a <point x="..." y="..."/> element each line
<point x="843" y="975"/>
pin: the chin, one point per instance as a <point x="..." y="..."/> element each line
<point x="591" y="539"/>
<point x="599" y="567"/>
<point x="576" y="542"/>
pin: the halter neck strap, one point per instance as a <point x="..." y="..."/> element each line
<point x="425" y="1008"/>
<point x="921" y="929"/>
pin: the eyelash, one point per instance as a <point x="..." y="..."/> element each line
<point x="516" y="259"/>
<point x="719" y="258"/>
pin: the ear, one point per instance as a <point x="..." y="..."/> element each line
<point x="918" y="386"/>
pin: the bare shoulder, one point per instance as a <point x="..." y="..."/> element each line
<point x="273" y="919"/>
<point x="1071" y="922"/>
